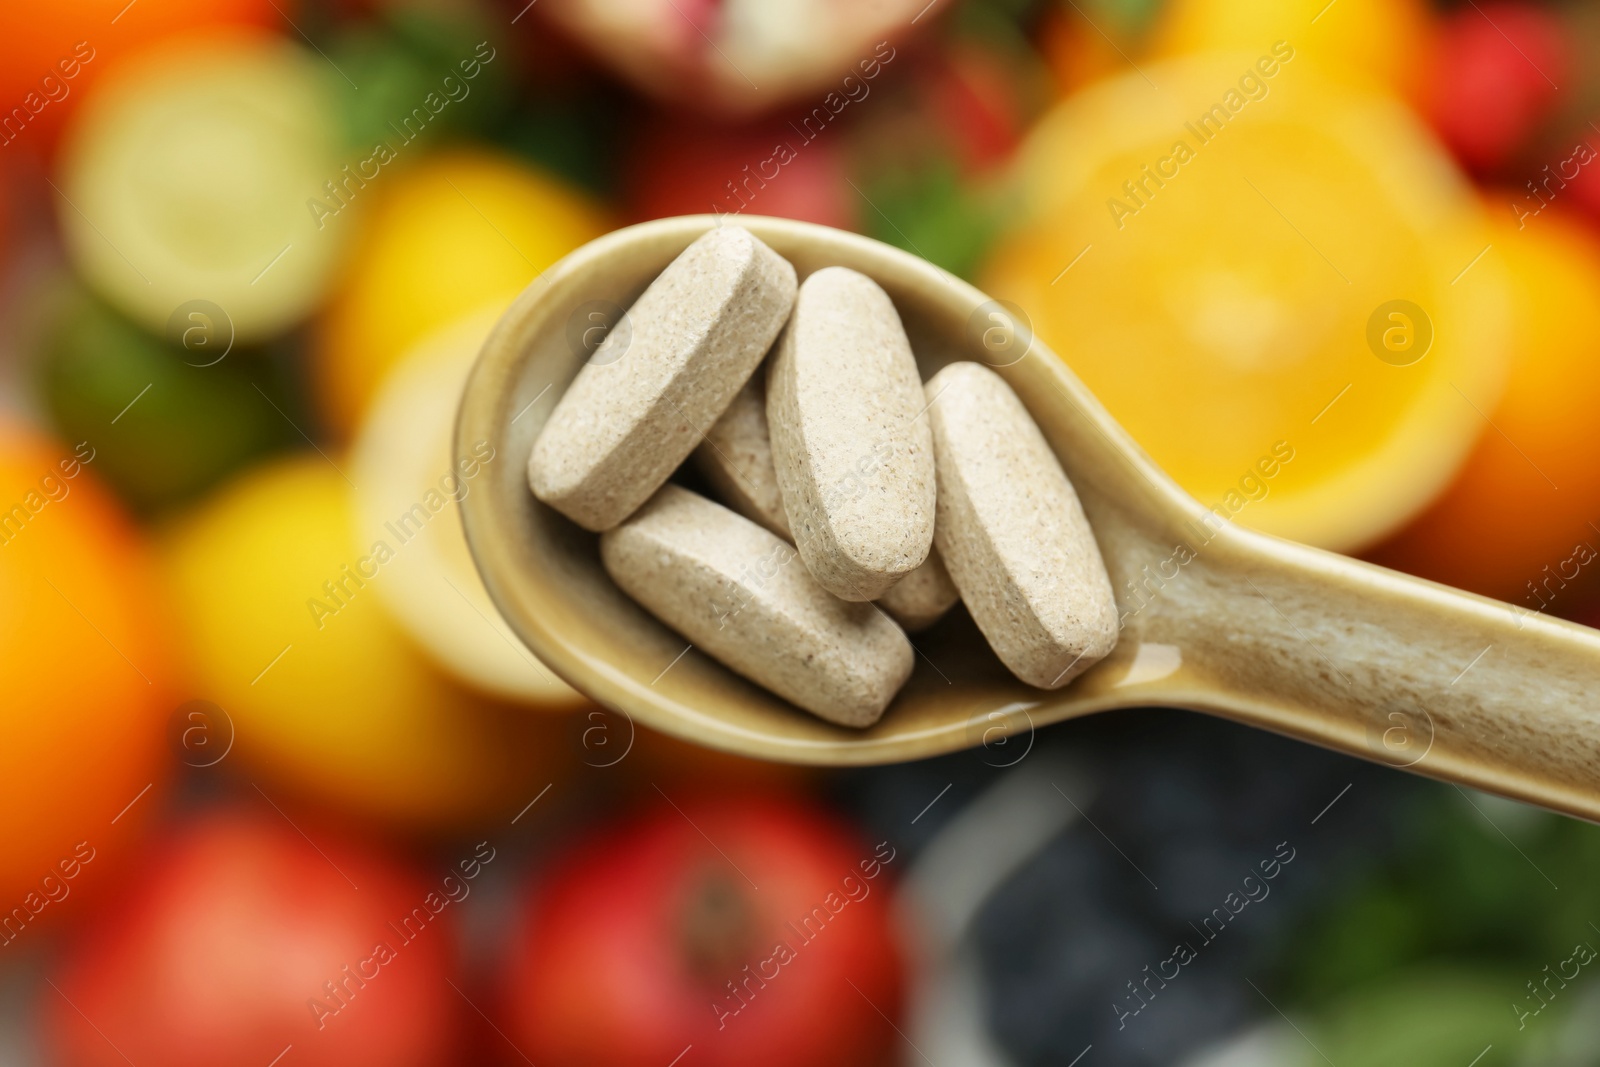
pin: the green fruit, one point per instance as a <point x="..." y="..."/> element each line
<point x="1434" y="1017"/>
<point x="168" y="420"/>
<point x="202" y="168"/>
<point x="576" y="138"/>
<point x="931" y="212"/>
<point x="410" y="54"/>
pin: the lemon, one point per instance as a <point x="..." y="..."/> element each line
<point x="1276" y="282"/>
<point x="285" y="632"/>
<point x="410" y="493"/>
<point x="457" y="231"/>
<point x="186" y="178"/>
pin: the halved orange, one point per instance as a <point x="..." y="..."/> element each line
<point x="1274" y="280"/>
<point x="1522" y="521"/>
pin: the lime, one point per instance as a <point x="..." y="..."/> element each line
<point x="189" y="173"/>
<point x="170" y="420"/>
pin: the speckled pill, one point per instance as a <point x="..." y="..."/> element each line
<point x="654" y="387"/>
<point x="1013" y="534"/>
<point x="851" y="446"/>
<point x="922" y="597"/>
<point x="736" y="459"/>
<point x="739" y="593"/>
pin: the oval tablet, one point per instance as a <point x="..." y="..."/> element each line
<point x="1013" y="534"/>
<point x="921" y="598"/>
<point x="736" y="458"/>
<point x="852" y="450"/>
<point x="739" y="593"/>
<point x="655" y="385"/>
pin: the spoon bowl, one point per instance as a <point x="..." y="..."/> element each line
<point x="1215" y="618"/>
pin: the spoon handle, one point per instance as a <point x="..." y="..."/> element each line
<point x="1399" y="670"/>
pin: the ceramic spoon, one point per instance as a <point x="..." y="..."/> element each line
<point x="1262" y="631"/>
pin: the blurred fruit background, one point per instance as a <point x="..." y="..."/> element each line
<point x="278" y="786"/>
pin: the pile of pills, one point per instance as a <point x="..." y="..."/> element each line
<point x="858" y="503"/>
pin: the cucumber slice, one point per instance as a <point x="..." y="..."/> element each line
<point x="190" y="175"/>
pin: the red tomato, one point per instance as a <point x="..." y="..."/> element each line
<point x="694" y="167"/>
<point x="241" y="938"/>
<point x="51" y="53"/>
<point x="1496" y="69"/>
<point x="754" y="930"/>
